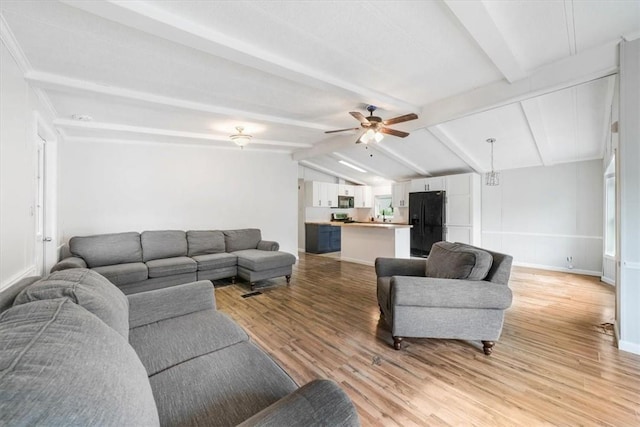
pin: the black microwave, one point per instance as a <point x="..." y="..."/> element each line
<point x="346" y="202"/>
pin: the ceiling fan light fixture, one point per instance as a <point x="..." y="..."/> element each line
<point x="492" y="178"/>
<point x="378" y="136"/>
<point x="240" y="139"/>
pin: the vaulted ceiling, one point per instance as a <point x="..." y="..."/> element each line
<point x="539" y="76"/>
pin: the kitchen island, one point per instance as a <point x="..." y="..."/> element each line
<point x="363" y="242"/>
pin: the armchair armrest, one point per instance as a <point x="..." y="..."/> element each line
<point x="318" y="403"/>
<point x="160" y="304"/>
<point x="387" y="267"/>
<point x="267" y="245"/>
<point x="69" y="262"/>
<point x="451" y="293"/>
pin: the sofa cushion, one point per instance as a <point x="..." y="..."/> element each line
<point x="123" y="274"/>
<point x="161" y="345"/>
<point x="240" y="381"/>
<point x="237" y="240"/>
<point x="257" y="260"/>
<point x="170" y="266"/>
<point x="61" y="365"/>
<point x="203" y="242"/>
<point x="163" y="244"/>
<point x="213" y="261"/>
<point x="458" y="261"/>
<point x="87" y="289"/>
<point x="107" y="249"/>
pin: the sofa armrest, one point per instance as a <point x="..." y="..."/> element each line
<point x="70" y="262"/>
<point x="267" y="245"/>
<point x="160" y="304"/>
<point x="387" y="267"/>
<point x="452" y="293"/>
<point x="318" y="403"/>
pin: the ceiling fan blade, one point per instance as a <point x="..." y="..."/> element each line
<point x="394" y="132"/>
<point x="400" y="119"/>
<point x="341" y="130"/>
<point x="362" y="119"/>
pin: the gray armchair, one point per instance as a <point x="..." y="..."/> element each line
<point x="460" y="292"/>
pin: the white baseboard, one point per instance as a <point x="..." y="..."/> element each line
<point x="607" y="280"/>
<point x="30" y="271"/>
<point x="301" y="250"/>
<point x="356" y="261"/>
<point x="561" y="269"/>
<point x="630" y="347"/>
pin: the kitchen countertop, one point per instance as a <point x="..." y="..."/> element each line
<point x="389" y="225"/>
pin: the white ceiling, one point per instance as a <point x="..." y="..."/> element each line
<point x="536" y="75"/>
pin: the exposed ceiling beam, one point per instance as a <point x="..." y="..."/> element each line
<point x="326" y="146"/>
<point x="382" y="146"/>
<point x="533" y="115"/>
<point x="331" y="172"/>
<point x="58" y="82"/>
<point x="452" y="145"/>
<point x="473" y="15"/>
<point x="98" y="126"/>
<point x="584" y="67"/>
<point x="151" y="19"/>
<point x="362" y="166"/>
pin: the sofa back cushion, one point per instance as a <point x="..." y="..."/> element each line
<point x="458" y="261"/>
<point x="107" y="249"/>
<point x="163" y="244"/>
<point x="61" y="365"/>
<point x="203" y="242"/>
<point x="86" y="288"/>
<point x="239" y="240"/>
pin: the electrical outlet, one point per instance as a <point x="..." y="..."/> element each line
<point x="570" y="262"/>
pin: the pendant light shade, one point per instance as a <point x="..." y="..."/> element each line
<point x="492" y="178"/>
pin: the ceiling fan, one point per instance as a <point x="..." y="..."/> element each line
<point x="374" y="126"/>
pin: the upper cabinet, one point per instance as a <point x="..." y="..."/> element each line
<point x="427" y="184"/>
<point x="346" y="190"/>
<point x="400" y="194"/>
<point x="321" y="194"/>
<point x="363" y="196"/>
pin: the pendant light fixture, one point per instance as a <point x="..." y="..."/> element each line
<point x="492" y="178"/>
<point x="241" y="139"/>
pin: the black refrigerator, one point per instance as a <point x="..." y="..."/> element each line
<point x="426" y="214"/>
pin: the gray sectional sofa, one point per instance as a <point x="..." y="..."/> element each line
<point x="75" y="350"/>
<point x="137" y="262"/>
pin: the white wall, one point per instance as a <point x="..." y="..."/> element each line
<point x="114" y="187"/>
<point x="542" y="215"/>
<point x="17" y="172"/>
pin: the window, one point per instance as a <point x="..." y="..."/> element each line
<point x="384" y="207"/>
<point x="610" y="210"/>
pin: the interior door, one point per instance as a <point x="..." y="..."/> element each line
<point x="39" y="207"/>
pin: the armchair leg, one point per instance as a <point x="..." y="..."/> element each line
<point x="288" y="277"/>
<point x="488" y="347"/>
<point x="397" y="343"/>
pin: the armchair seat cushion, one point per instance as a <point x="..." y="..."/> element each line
<point x="257" y="260"/>
<point x="448" y="293"/>
<point x="171" y="266"/>
<point x="123" y="274"/>
<point x="214" y="261"/>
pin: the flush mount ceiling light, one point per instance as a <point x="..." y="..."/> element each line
<point x="241" y="139"/>
<point x="349" y="165"/>
<point x="492" y="178"/>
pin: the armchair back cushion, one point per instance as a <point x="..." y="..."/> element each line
<point x="163" y="244"/>
<point x="54" y="370"/>
<point x="205" y="242"/>
<point x="107" y="249"/>
<point x="86" y="288"/>
<point x="238" y="240"/>
<point x="458" y="261"/>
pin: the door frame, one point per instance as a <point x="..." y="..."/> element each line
<point x="42" y="130"/>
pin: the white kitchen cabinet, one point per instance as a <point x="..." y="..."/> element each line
<point x="400" y="194"/>
<point x="427" y="184"/>
<point x="320" y="194"/>
<point x="463" y="208"/>
<point x="363" y="196"/>
<point x="346" y="190"/>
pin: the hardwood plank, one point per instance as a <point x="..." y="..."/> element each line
<point x="553" y="365"/>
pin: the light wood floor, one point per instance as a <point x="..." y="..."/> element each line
<point x="554" y="364"/>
